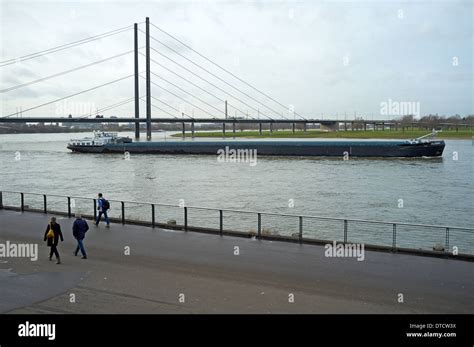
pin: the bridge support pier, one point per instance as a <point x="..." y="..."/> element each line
<point x="192" y="129"/>
<point x="260" y="128"/>
<point x="233" y="128"/>
<point x="137" y="94"/>
<point x="148" y="81"/>
<point x="293" y="127"/>
<point x="271" y="128"/>
<point x="183" y="129"/>
<point x="223" y="129"/>
<point x="304" y="127"/>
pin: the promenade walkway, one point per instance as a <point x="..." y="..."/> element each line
<point x="214" y="274"/>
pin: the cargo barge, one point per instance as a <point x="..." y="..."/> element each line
<point x="104" y="142"/>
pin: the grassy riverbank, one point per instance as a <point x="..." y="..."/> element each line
<point x="379" y="134"/>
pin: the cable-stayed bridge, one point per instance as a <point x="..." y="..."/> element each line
<point x="220" y="90"/>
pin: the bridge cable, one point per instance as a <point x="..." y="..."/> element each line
<point x="109" y="107"/>
<point x="121" y="103"/>
<point x="215" y="76"/>
<point x="170" y="92"/>
<point x="159" y="108"/>
<point x="212" y="84"/>
<point x="65" y="46"/>
<point x="170" y="106"/>
<point x="202" y="89"/>
<point x="184" y="91"/>
<point x="69" y="96"/>
<point x="224" y="69"/>
<point x="63" y="73"/>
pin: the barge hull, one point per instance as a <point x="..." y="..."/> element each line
<point x="272" y="148"/>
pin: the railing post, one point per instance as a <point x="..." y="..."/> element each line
<point x="22" y="202"/>
<point x="259" y="226"/>
<point x="394" y="236"/>
<point x="1" y="200"/>
<point x="345" y="230"/>
<point x="447" y="241"/>
<point x="221" y="222"/>
<point x="123" y="211"/>
<point x="185" y="218"/>
<point x="300" y="234"/>
<point x="45" y="204"/>
<point x="153" y="215"/>
<point x="69" y="206"/>
<point x="95" y="209"/>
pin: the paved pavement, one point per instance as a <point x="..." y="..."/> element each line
<point x="178" y="272"/>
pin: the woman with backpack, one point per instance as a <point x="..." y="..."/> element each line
<point x="52" y="235"/>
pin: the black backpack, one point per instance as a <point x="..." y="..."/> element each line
<point x="105" y="204"/>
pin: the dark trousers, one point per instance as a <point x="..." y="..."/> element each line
<point x="54" y="250"/>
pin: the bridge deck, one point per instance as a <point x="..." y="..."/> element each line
<point x="164" y="264"/>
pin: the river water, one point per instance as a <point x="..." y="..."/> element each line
<point x="428" y="191"/>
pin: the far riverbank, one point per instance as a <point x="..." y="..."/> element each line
<point x="349" y="134"/>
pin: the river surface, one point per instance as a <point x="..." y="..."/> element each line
<point x="428" y="191"/>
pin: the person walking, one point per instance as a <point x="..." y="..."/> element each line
<point x="52" y="235"/>
<point x="79" y="229"/>
<point x="103" y="207"/>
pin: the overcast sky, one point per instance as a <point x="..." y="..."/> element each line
<point x="323" y="58"/>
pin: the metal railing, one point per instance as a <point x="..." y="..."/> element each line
<point x="262" y="225"/>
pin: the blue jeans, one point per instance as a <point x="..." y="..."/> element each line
<point x="105" y="216"/>
<point x="80" y="246"/>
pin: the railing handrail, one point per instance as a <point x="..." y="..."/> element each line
<point x="255" y="212"/>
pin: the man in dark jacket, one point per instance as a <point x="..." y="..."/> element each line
<point x="79" y="229"/>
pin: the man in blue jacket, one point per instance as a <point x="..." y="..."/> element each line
<point x="79" y="229"/>
<point x="103" y="207"/>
